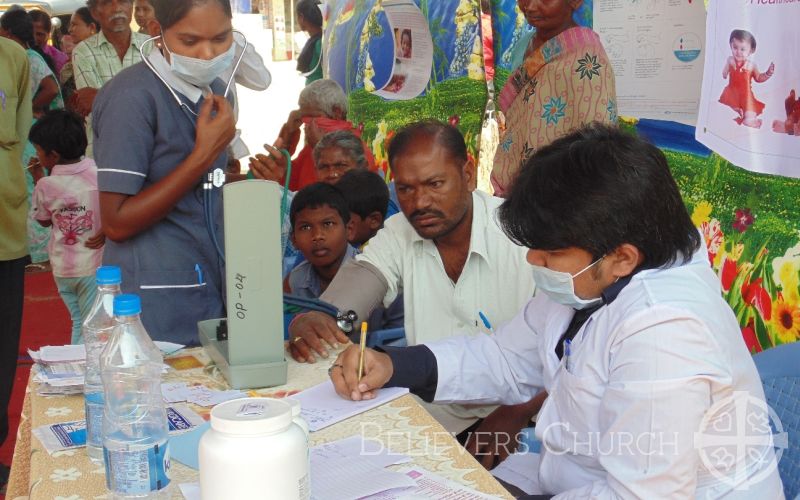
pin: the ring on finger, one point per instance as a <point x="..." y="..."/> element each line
<point x="297" y="339"/>
<point x="335" y="365"/>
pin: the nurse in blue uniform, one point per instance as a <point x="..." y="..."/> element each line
<point x="153" y="157"/>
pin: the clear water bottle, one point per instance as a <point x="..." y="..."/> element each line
<point x="96" y="332"/>
<point x="135" y="440"/>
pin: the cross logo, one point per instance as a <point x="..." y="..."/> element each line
<point x="736" y="437"/>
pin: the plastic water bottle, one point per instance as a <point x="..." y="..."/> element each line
<point x="135" y="440"/>
<point x="96" y="332"/>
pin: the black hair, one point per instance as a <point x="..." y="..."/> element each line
<point x="86" y="16"/>
<point x="317" y="195"/>
<point x="39" y="16"/>
<point x="309" y="9"/>
<point x="19" y="23"/>
<point x="62" y="132"/>
<point x="595" y="189"/>
<point x="169" y="12"/>
<point x="743" y="36"/>
<point x="444" y="134"/>
<point x="365" y="192"/>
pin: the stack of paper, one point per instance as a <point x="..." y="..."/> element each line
<point x="59" y="369"/>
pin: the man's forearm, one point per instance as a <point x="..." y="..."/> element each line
<point x="358" y="286"/>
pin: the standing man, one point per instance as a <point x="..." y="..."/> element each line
<point x="100" y="57"/>
<point x="15" y="120"/>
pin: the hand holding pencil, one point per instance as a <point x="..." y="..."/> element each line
<point x="358" y="372"/>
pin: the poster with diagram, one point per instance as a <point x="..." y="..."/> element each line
<point x="750" y="111"/>
<point x="656" y="50"/>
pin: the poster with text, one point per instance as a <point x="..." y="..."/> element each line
<point x="749" y="110"/>
<point x="656" y="50"/>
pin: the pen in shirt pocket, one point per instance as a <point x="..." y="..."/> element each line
<point x="567" y="353"/>
<point x="199" y="272"/>
<point x="485" y="322"/>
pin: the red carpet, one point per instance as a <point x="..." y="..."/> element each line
<point x="45" y="321"/>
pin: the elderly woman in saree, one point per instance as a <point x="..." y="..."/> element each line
<point x="564" y="81"/>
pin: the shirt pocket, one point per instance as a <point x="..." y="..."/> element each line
<point x="176" y="300"/>
<point x="577" y="400"/>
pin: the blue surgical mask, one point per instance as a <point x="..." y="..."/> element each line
<point x="560" y="287"/>
<point x="200" y="72"/>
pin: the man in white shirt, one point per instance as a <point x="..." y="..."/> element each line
<point x="447" y="255"/>
<point x="643" y="360"/>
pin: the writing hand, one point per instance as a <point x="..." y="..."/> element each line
<point x="378" y="369"/>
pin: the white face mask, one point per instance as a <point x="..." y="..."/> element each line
<point x="200" y="72"/>
<point x="560" y="287"/>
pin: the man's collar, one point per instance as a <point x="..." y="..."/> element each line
<point x="161" y="65"/>
<point x="611" y="292"/>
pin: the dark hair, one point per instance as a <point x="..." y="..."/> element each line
<point x="365" y="192"/>
<point x="309" y="9"/>
<point x="19" y="23"/>
<point x="39" y="16"/>
<point x="61" y="132"/>
<point x="86" y="16"/>
<point x="317" y="195"/>
<point x="595" y="189"/>
<point x="169" y="12"/>
<point x="445" y="135"/>
<point x="743" y="36"/>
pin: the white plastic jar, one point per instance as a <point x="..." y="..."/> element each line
<point x="253" y="450"/>
<point x="296" y="417"/>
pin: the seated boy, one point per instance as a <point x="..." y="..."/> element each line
<point x="67" y="201"/>
<point x="368" y="200"/>
<point x="320" y="230"/>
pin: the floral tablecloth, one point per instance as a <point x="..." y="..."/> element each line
<point x="402" y="425"/>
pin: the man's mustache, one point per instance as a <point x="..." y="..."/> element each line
<point x="118" y="15"/>
<point x="425" y="213"/>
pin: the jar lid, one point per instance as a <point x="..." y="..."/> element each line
<point x="295" y="404"/>
<point x="251" y="416"/>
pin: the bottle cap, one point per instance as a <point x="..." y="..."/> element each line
<point x="109" y="275"/>
<point x="251" y="416"/>
<point x="127" y="304"/>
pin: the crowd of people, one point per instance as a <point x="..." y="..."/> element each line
<point x="580" y="292"/>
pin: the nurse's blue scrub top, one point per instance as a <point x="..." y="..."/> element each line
<point x="140" y="136"/>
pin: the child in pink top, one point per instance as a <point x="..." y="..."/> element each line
<point x="67" y="201"/>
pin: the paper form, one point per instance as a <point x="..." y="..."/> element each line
<point x="322" y="407"/>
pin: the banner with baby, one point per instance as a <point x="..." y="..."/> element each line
<point x="750" y="110"/>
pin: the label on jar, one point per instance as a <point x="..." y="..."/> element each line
<point x="94" y="419"/>
<point x="305" y="487"/>
<point x="137" y="471"/>
<point x="251" y="410"/>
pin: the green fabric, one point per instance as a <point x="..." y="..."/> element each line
<point x="315" y="63"/>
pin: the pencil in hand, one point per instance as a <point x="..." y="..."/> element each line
<point x="362" y="346"/>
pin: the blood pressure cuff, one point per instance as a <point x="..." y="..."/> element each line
<point x="358" y="286"/>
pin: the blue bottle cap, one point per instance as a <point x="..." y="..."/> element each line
<point x="127" y="304"/>
<point x="109" y="275"/>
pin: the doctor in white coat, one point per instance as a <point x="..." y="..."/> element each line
<point x="643" y="361"/>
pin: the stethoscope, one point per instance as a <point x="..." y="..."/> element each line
<point x="216" y="178"/>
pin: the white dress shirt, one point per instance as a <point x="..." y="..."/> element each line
<point x="496" y="278"/>
<point x="644" y="374"/>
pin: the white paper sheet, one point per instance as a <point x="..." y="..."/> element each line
<point x="322" y="407"/>
<point x="430" y="486"/>
<point x="190" y="491"/>
<point x="62" y="353"/>
<point x="354" y="468"/>
<point x="656" y="50"/>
